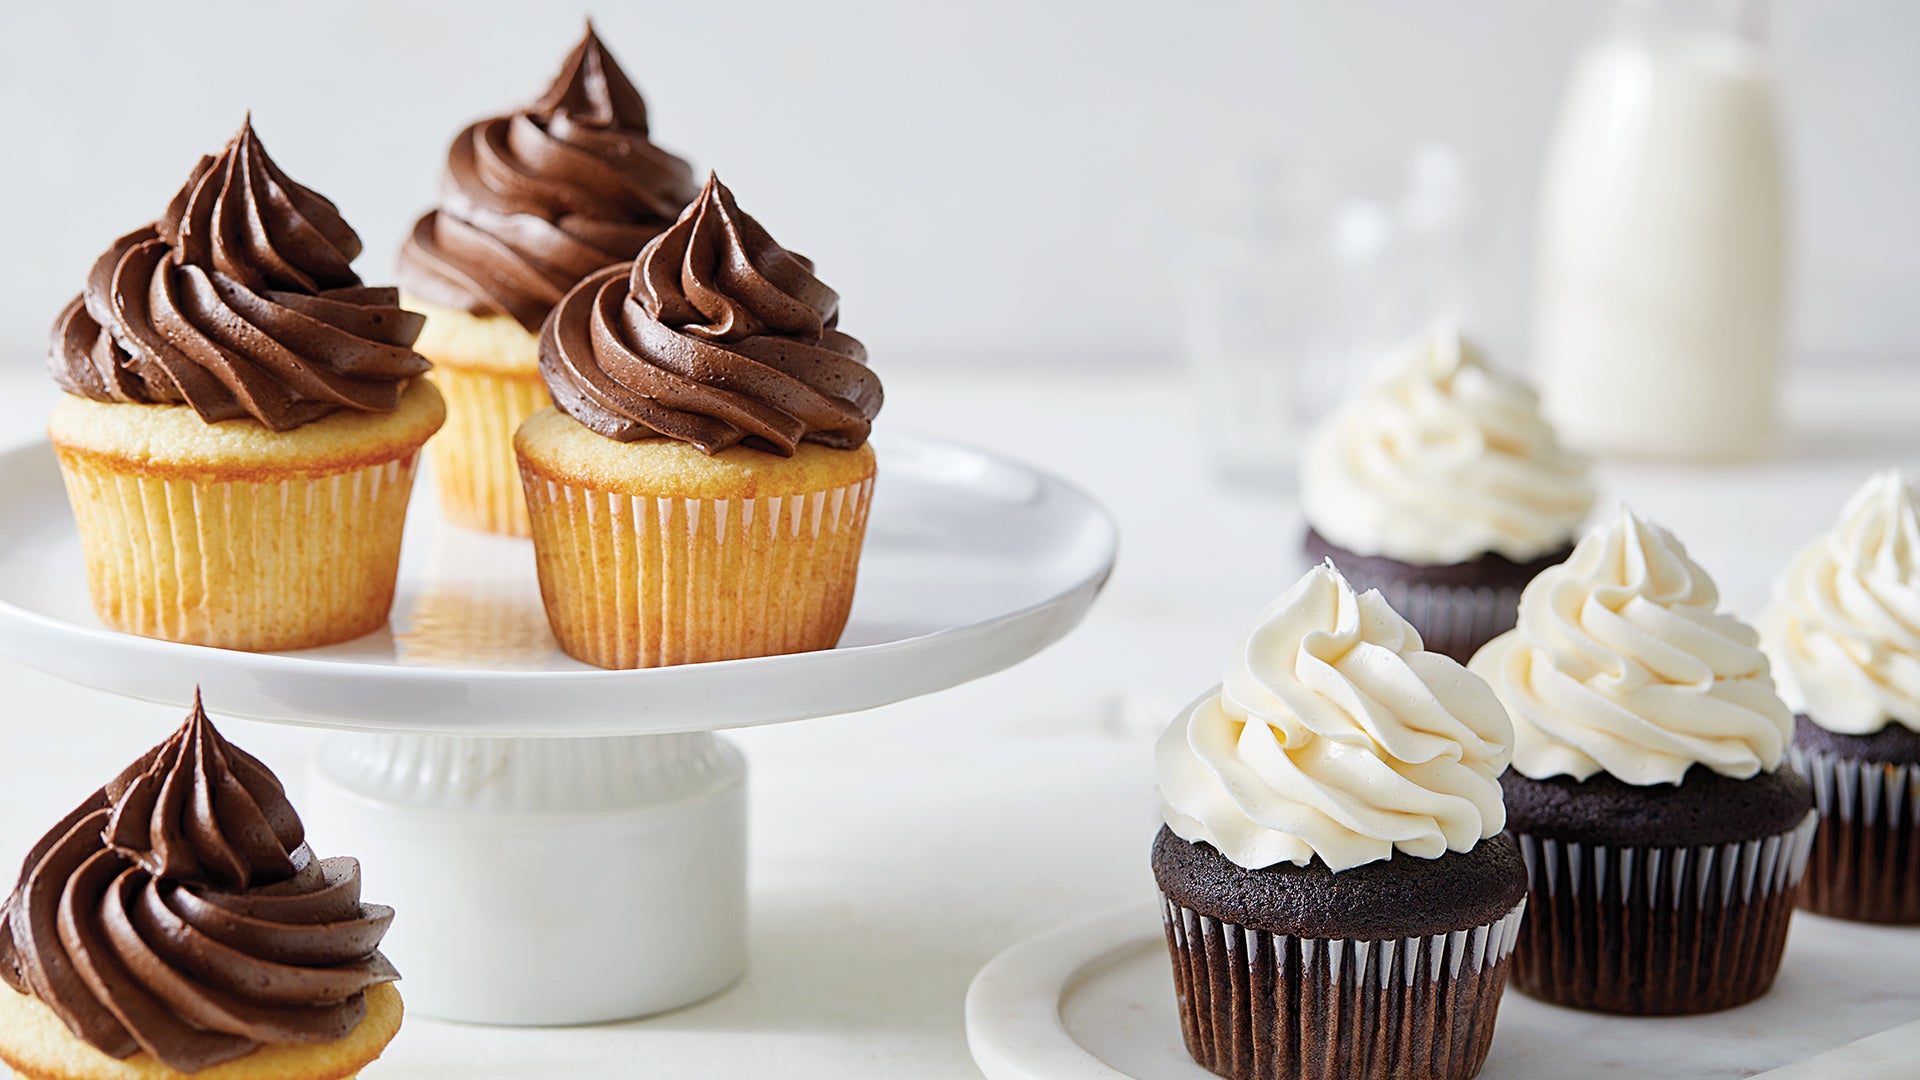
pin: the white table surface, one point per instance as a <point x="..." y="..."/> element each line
<point x="894" y="852"/>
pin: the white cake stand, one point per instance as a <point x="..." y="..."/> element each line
<point x="568" y="845"/>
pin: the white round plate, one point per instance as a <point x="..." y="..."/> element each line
<point x="972" y="563"/>
<point x="1093" y="1000"/>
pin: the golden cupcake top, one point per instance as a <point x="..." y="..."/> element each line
<point x="538" y="198"/>
<point x="240" y="301"/>
<point x="715" y="336"/>
<point x="178" y="912"/>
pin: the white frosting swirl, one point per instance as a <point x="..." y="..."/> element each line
<point x="1336" y="734"/>
<point x="1442" y="460"/>
<point x="1621" y="663"/>
<point x="1843" y="631"/>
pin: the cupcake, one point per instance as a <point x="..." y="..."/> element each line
<point x="1340" y="901"/>
<point x="176" y="923"/>
<point x="533" y="202"/>
<point x="1843" y="633"/>
<point x="1663" y="838"/>
<point x="242" y="418"/>
<point x="1441" y="486"/>
<point x="700" y="492"/>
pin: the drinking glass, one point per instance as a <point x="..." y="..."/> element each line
<point x="1299" y="275"/>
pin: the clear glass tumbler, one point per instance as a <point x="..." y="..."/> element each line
<point x="1303" y="273"/>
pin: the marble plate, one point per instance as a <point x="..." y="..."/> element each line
<point x="1093" y="1000"/>
<point x="973" y="562"/>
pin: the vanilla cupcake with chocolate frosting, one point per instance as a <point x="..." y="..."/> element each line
<point x="1442" y="485"/>
<point x="1843" y="632"/>
<point x="1647" y="777"/>
<point x="176" y="923"/>
<point x="242" y="417"/>
<point x="532" y="202"/>
<point x="1335" y="804"/>
<point x="707" y="394"/>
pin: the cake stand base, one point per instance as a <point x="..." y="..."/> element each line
<point x="545" y="881"/>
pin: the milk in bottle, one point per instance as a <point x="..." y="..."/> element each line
<point x="1659" y="291"/>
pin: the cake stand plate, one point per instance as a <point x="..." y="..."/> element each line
<point x="564" y="844"/>
<point x="972" y="563"/>
<point x="1093" y="1000"/>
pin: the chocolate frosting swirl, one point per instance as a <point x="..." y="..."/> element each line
<point x="179" y="911"/>
<point x="716" y="336"/>
<point x="239" y="301"/>
<point x="538" y="199"/>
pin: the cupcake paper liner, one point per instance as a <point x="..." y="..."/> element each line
<point x="1866" y="852"/>
<point x="1453" y="621"/>
<point x="1658" y="930"/>
<point x="256" y="565"/>
<point x="1261" y="1006"/>
<point x="473" y="460"/>
<point x="636" y="581"/>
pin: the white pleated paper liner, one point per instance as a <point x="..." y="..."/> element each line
<point x="633" y="581"/>
<point x="276" y="563"/>
<point x="1658" y="930"/>
<point x="473" y="463"/>
<point x="1261" y="1006"/>
<point x="1866" y="853"/>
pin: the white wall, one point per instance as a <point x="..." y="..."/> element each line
<point x="983" y="182"/>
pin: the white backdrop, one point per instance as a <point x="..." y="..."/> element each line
<point x="984" y="182"/>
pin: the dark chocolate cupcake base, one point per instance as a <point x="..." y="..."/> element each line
<point x="1631" y="926"/>
<point x="1704" y="808"/>
<point x="1258" y="1003"/>
<point x="1456" y="607"/>
<point x="1866" y="853"/>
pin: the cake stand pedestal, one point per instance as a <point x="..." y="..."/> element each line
<point x="549" y="881"/>
<point x="563" y="844"/>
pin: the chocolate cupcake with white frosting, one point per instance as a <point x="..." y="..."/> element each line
<point x="1441" y="485"/>
<point x="1843" y="633"/>
<point x="1663" y="836"/>
<point x="1339" y="898"/>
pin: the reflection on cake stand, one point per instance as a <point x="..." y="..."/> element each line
<point x="568" y="845"/>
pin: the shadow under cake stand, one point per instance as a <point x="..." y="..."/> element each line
<point x="568" y="845"/>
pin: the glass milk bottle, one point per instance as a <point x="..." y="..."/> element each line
<point x="1659" y="291"/>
